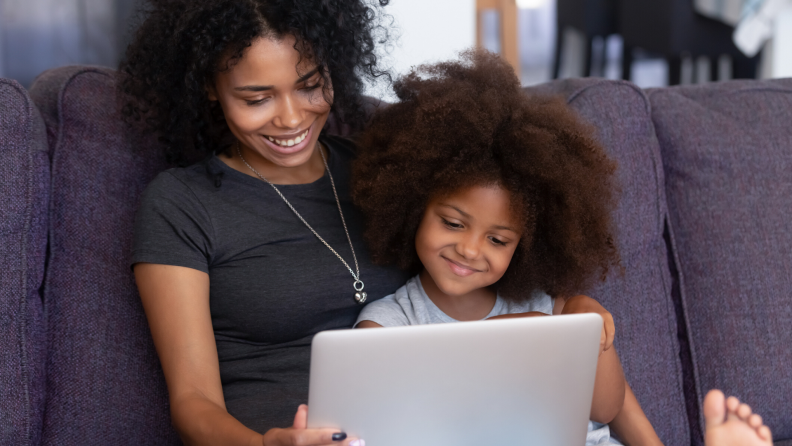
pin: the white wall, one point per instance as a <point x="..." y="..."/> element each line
<point x="426" y="31"/>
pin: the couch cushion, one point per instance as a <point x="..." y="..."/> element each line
<point x="24" y="189"/>
<point x="727" y="155"/>
<point x="640" y="300"/>
<point x="104" y="382"/>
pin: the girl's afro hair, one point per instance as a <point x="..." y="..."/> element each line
<point x="464" y="123"/>
<point x="182" y="44"/>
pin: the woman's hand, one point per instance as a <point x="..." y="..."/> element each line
<point x="300" y="435"/>
<point x="585" y="304"/>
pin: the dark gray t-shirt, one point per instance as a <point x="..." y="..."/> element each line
<point x="273" y="285"/>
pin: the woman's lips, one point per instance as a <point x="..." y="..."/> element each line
<point x="460" y="270"/>
<point x="289" y="150"/>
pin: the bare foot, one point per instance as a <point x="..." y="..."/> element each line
<point x="730" y="423"/>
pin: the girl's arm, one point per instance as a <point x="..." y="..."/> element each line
<point x="631" y="425"/>
<point x="368" y="324"/>
<point x="609" y="385"/>
<point x="176" y="301"/>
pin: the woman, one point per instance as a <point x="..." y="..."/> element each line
<point x="241" y="258"/>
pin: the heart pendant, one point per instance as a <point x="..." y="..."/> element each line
<point x="360" y="297"/>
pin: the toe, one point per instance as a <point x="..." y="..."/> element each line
<point x="714" y="408"/>
<point x="744" y="412"/>
<point x="755" y="421"/>
<point x="764" y="433"/>
<point x="732" y="404"/>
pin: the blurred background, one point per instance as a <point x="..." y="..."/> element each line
<point x="650" y="42"/>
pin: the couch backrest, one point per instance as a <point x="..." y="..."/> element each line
<point x="24" y="188"/>
<point x="104" y="383"/>
<point x="727" y="154"/>
<point x="640" y="300"/>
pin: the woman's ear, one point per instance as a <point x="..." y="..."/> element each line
<point x="211" y="92"/>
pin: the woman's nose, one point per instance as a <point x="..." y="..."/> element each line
<point x="289" y="115"/>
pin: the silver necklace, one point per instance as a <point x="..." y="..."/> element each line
<point x="360" y="296"/>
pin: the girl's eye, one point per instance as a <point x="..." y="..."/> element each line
<point x="451" y="225"/>
<point x="312" y="86"/>
<point x="498" y="241"/>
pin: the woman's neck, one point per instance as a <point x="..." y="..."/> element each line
<point x="305" y="173"/>
<point x="472" y="306"/>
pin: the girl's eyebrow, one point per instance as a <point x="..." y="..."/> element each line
<point x="466" y="215"/>
<point x="257" y="88"/>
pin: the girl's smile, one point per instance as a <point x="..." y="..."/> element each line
<point x="460" y="269"/>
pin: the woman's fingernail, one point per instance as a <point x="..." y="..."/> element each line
<point x="358" y="443"/>
<point x="340" y="436"/>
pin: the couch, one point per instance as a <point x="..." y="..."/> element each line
<point x="705" y="300"/>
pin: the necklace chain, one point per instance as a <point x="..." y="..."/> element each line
<point x="356" y="274"/>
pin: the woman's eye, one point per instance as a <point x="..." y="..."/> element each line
<point x="256" y="101"/>
<point x="312" y="87"/>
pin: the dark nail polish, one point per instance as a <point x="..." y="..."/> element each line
<point x="341" y="436"/>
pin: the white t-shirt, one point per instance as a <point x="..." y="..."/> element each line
<point x="410" y="305"/>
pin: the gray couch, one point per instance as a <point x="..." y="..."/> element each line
<point x="705" y="300"/>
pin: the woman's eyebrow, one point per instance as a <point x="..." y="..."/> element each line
<point x="257" y="88"/>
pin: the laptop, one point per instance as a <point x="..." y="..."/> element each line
<point x="526" y="381"/>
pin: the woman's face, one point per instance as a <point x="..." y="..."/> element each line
<point x="466" y="240"/>
<point x="273" y="102"/>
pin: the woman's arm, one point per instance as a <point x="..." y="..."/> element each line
<point x="631" y="425"/>
<point x="176" y="301"/>
<point x="609" y="385"/>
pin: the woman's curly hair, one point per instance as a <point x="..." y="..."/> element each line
<point x="465" y="123"/>
<point x="182" y="44"/>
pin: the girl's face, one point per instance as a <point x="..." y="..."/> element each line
<point x="466" y="240"/>
<point x="273" y="102"/>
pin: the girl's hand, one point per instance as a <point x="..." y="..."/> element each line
<point x="585" y="304"/>
<point x="300" y="435"/>
<point x="516" y="315"/>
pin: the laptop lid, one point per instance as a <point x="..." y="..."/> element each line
<point x="512" y="382"/>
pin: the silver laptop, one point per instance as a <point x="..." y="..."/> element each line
<point x="527" y="381"/>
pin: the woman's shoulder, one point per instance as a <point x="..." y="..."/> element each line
<point x="183" y="182"/>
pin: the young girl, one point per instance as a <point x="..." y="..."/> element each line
<point x="500" y="206"/>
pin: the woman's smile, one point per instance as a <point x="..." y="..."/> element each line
<point x="288" y="144"/>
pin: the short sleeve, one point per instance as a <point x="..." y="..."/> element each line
<point x="539" y="301"/>
<point x="172" y="227"/>
<point x="386" y="312"/>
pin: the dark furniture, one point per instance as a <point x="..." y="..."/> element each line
<point x="593" y="18"/>
<point x="673" y="29"/>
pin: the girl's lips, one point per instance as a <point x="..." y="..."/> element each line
<point x="460" y="270"/>
<point x="289" y="150"/>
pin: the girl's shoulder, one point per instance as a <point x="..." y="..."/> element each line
<point x="404" y="307"/>
<point x="538" y="301"/>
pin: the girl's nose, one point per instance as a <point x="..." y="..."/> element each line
<point x="468" y="247"/>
